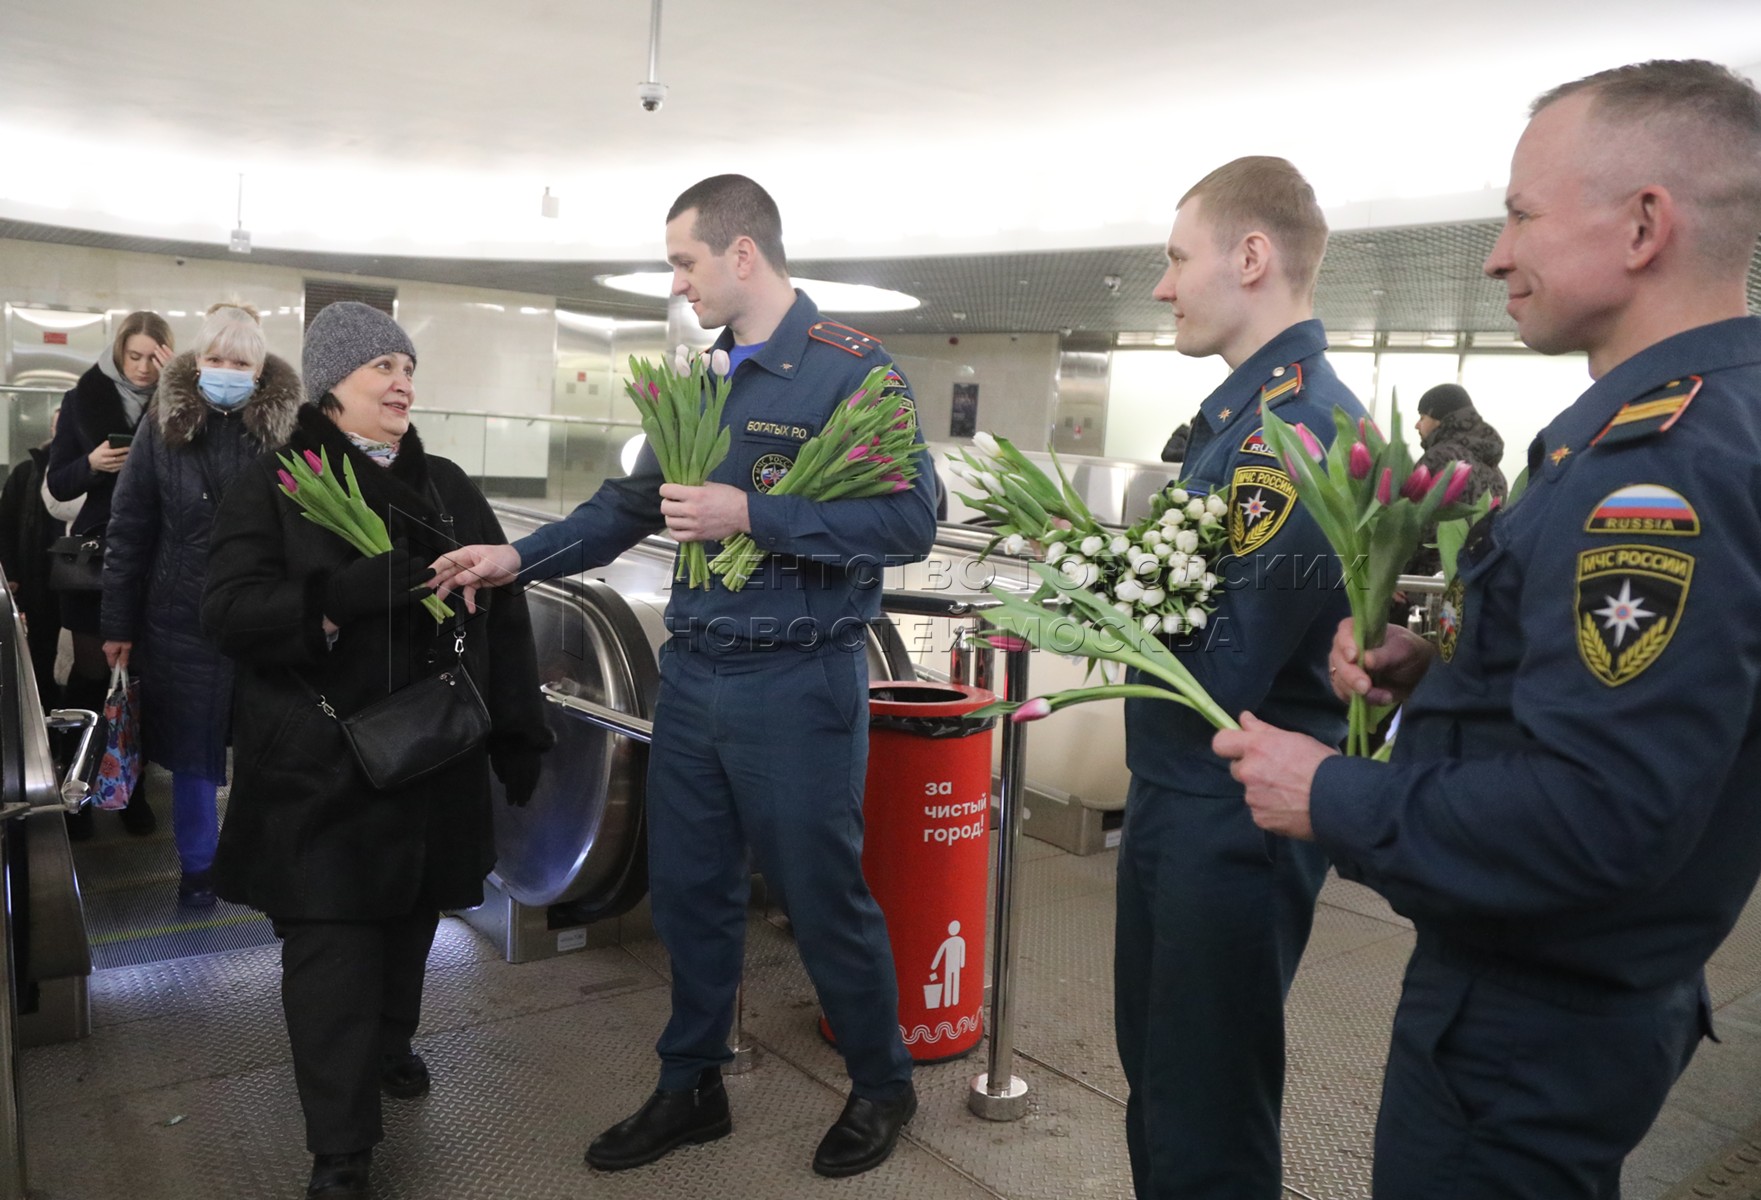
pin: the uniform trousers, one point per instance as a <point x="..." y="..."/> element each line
<point x="351" y="992"/>
<point x="1506" y="1087"/>
<point x="767" y="749"/>
<point x="1213" y="915"/>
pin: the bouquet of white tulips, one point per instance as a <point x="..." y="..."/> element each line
<point x="1159" y="572"/>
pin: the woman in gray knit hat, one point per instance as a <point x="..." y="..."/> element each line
<point x="355" y="878"/>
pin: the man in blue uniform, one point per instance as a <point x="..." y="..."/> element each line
<point x="724" y="770"/>
<point x="1570" y="817"/>
<point x="1213" y="914"/>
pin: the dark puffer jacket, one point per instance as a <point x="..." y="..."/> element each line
<point x="185" y="454"/>
<point x="1461" y="436"/>
<point x="306" y="837"/>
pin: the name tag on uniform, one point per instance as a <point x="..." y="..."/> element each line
<point x="778" y="429"/>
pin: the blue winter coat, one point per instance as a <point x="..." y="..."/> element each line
<point x="184" y="455"/>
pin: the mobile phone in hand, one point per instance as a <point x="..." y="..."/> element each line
<point x="120" y="441"/>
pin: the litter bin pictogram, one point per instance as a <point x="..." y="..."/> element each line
<point x="926" y="855"/>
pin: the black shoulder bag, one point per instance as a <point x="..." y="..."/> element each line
<point x="422" y="727"/>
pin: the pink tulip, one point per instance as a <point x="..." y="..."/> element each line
<point x="1496" y="501"/>
<point x="1458" y="482"/>
<point x="654" y="391"/>
<point x="858" y="454"/>
<point x="1417" y="484"/>
<point x="1364" y="425"/>
<point x="1360" y="461"/>
<point x="879" y="458"/>
<point x="893" y="477"/>
<point x="1290" y="466"/>
<point x="1310" y="444"/>
<point x="901" y="486"/>
<point x="1385" y="487"/>
<point x="287" y="482"/>
<point x="1035" y="709"/>
<point x="316" y="463"/>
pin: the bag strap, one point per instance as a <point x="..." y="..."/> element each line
<point x="118" y="677"/>
<point x="318" y="697"/>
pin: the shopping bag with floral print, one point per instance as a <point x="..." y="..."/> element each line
<point x="120" y="772"/>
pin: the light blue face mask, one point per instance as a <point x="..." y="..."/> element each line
<point x="226" y="388"/>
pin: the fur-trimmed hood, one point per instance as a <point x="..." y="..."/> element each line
<point x="182" y="412"/>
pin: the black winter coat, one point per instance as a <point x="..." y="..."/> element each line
<point x="26" y="533"/>
<point x="306" y="837"/>
<point x="185" y="454"/>
<point x="1460" y="436"/>
<point x="90" y="412"/>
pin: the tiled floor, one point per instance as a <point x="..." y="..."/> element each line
<point x="184" y="1088"/>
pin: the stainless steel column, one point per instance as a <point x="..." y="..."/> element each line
<point x="998" y="1095"/>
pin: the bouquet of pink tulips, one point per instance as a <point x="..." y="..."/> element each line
<point x="1372" y="504"/>
<point x="681" y="410"/>
<point x="867" y="447"/>
<point x="308" y="481"/>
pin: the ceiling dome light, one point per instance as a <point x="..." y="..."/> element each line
<point x="827" y="294"/>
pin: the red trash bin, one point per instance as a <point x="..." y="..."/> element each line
<point x="926" y="855"/>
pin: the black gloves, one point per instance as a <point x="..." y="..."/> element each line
<point x="517" y="766"/>
<point x="374" y="585"/>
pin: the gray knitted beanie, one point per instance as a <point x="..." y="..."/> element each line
<point x="343" y="337"/>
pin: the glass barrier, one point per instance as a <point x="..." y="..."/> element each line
<point x="26" y="422"/>
<point x="545" y="462"/>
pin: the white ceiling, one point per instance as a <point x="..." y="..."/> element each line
<point x="884" y="127"/>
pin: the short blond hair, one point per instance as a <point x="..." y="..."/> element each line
<point x="233" y="331"/>
<point x="1270" y="195"/>
<point x="1697" y="126"/>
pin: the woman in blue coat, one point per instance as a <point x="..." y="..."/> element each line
<point x="218" y="408"/>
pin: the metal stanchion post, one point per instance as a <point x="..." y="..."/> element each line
<point x="999" y="1095"/>
<point x="745" y="1053"/>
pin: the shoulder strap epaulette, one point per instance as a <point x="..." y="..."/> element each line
<point x="851" y="341"/>
<point x="1285" y="382"/>
<point x="1648" y="415"/>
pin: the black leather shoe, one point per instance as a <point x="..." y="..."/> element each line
<point x="340" y="1176"/>
<point x="196" y="889"/>
<point x="667" y="1121"/>
<point x="864" y="1135"/>
<point x="403" y="1076"/>
<point x="138" y="817"/>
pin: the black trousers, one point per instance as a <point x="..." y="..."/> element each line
<point x="351" y="992"/>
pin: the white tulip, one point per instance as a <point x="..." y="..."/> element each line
<point x="987" y="445"/>
<point x="1128" y="589"/>
<point x="1216" y="505"/>
<point x="1165" y="549"/>
<point x="1203" y="598"/>
<point x="1208" y="521"/>
<point x="1197" y="617"/>
<point x="1186" y="540"/>
<point x="1209" y="582"/>
<point x="1152" y="622"/>
<point x="1153" y="596"/>
<point x="1177" y="560"/>
<point x="718" y="362"/>
<point x="1149" y="564"/>
<point x="1122" y="608"/>
<point x="1178" y="495"/>
<point x="1093" y="544"/>
<point x="1195" y="571"/>
<point x="1079" y="573"/>
<point x="1054" y="552"/>
<point x="989" y="483"/>
<point x="1152" y="538"/>
<point x="1173" y="519"/>
<point x="681" y="360"/>
<point x="1014" y="544"/>
<point x="1120" y="544"/>
<point x="1198" y="560"/>
<point x="1195" y="509"/>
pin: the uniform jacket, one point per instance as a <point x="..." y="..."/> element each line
<point x="1265" y="647"/>
<point x="1573" y="789"/>
<point x="90" y="412"/>
<point x="185" y="454"/>
<point x="1460" y="436"/>
<point x="305" y="836"/>
<point x="822" y="576"/>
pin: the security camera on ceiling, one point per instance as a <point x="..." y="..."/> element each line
<point x="652" y="95"/>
